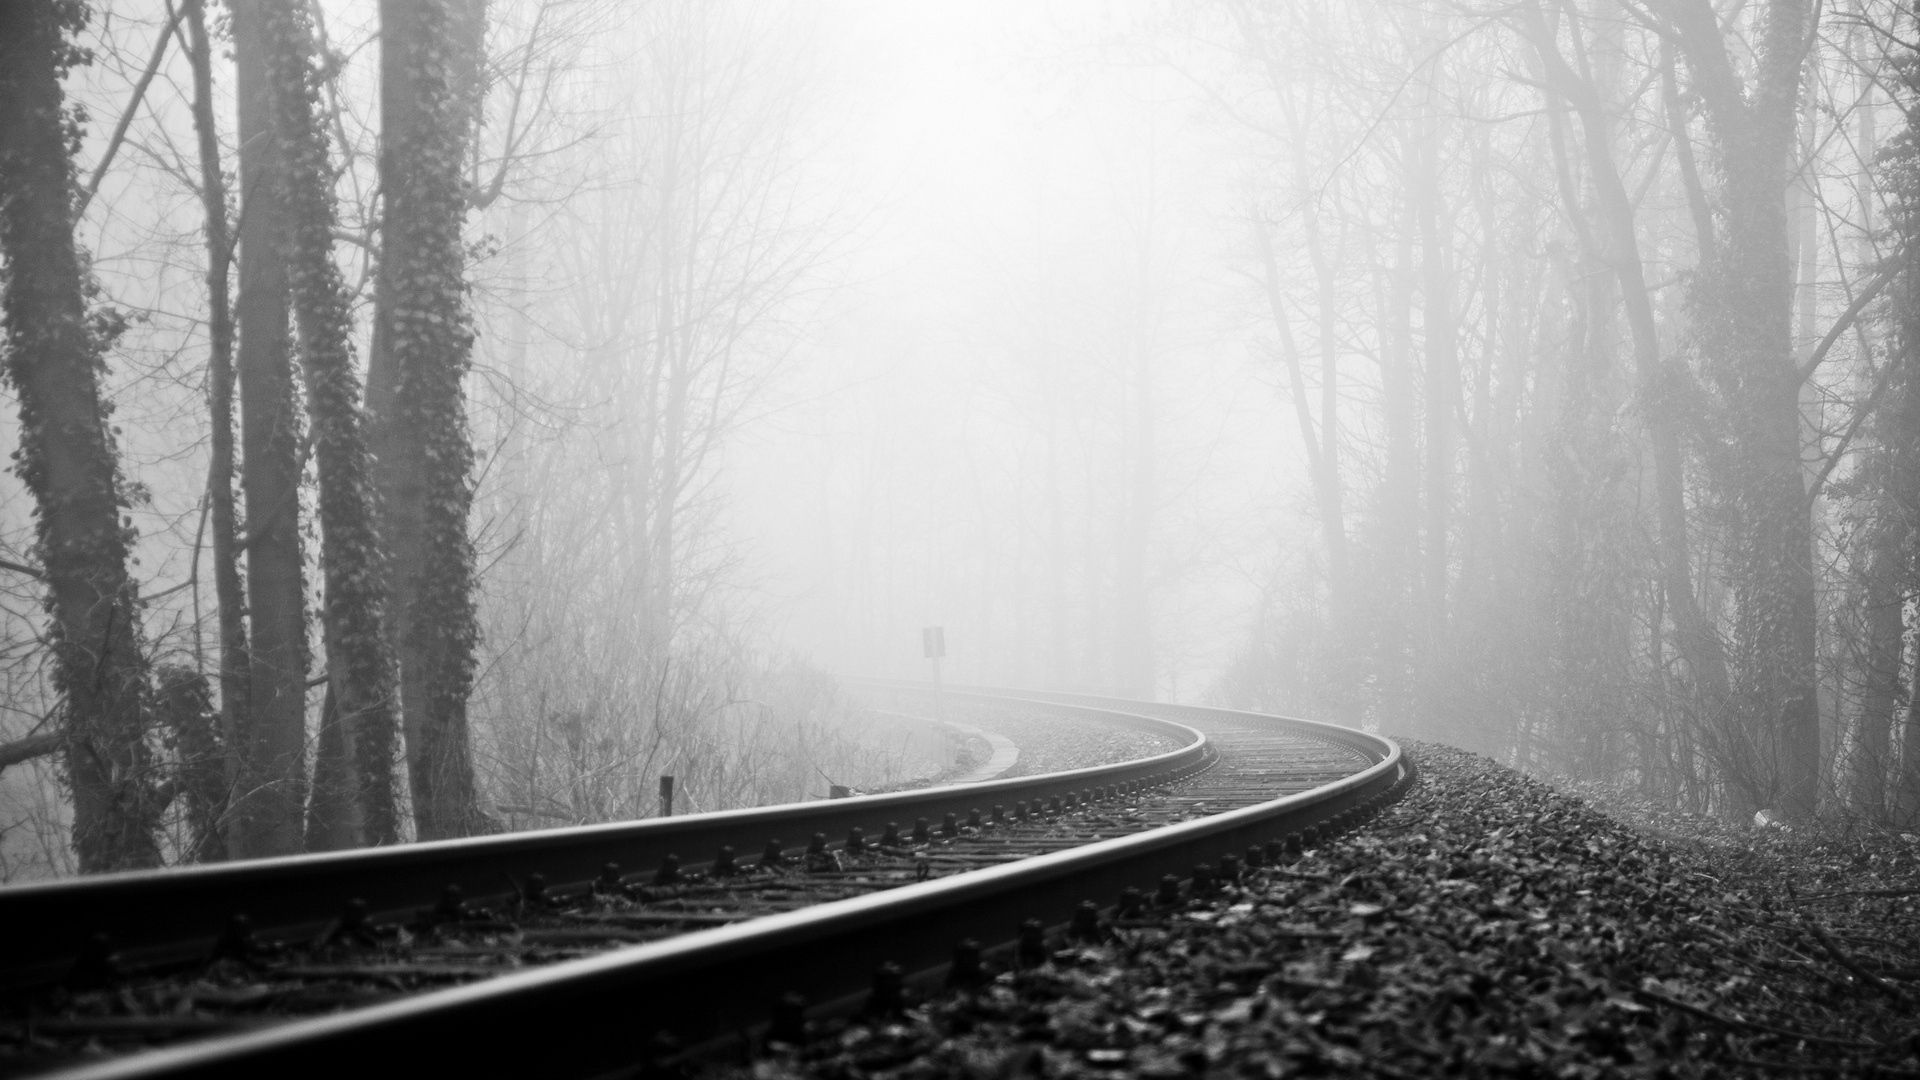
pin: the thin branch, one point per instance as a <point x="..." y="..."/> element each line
<point x="1750" y="1025"/>
<point x="26" y="749"/>
<point x="33" y="572"/>
<point x="1845" y="320"/>
<point x="1833" y="949"/>
<point x="126" y="116"/>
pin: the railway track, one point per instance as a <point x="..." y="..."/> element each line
<point x="620" y="944"/>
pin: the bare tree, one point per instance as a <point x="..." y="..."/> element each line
<point x="680" y="269"/>
<point x="236" y="715"/>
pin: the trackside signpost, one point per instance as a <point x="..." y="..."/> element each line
<point x="933" y="643"/>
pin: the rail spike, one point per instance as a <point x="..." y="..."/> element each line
<point x="1032" y="944"/>
<point x="236" y="940"/>
<point x="966" y="971"/>
<point x="669" y="871"/>
<point x="889" y="995"/>
<point x="98" y="964"/>
<point x="789" y="1020"/>
<point x="1086" y="924"/>
<point x="609" y="883"/>
<point x="1169" y="892"/>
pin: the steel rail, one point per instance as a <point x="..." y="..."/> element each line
<point x="181" y="915"/>
<point x="611" y="1014"/>
<point x="1352" y="738"/>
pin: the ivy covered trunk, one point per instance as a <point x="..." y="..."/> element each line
<point x="1613" y="242"/>
<point x="1743" y="302"/>
<point x="423" y="344"/>
<point x="359" y="664"/>
<point x="267" y="738"/>
<point x="1878" y="579"/>
<point x="67" y="457"/>
<point x="1897" y="430"/>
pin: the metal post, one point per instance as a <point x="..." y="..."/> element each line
<point x="666" y="796"/>
<point x="933" y="642"/>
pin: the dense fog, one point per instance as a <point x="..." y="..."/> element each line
<point x="1532" y="377"/>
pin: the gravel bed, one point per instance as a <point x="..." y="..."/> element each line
<point x="1052" y="743"/>
<point x="1047" y="744"/>
<point x="1485" y="926"/>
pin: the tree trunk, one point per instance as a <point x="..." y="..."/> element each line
<point x="230" y="597"/>
<point x="267" y="743"/>
<point x="415" y="396"/>
<point x="1398" y="499"/>
<point x="1743" y="303"/>
<point x="359" y="663"/>
<point x="67" y="457"/>
<point x="1615" y="244"/>
<point x="334" y="820"/>
<point x="1880" y="663"/>
<point x="1135" y="673"/>
<point x="184" y="704"/>
<point x="1897" y="425"/>
<point x="1441" y="386"/>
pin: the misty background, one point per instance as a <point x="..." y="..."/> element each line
<point x="1376" y="362"/>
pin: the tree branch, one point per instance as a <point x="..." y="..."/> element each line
<point x="22" y="568"/>
<point x="1846" y="438"/>
<point x="26" y="749"/>
<point x="1833" y="949"/>
<point x="1698" y="29"/>
<point x="1845" y="320"/>
<point x="126" y="116"/>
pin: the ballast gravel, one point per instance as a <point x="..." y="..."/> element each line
<point x="1053" y="743"/>
<point x="1485" y="926"/>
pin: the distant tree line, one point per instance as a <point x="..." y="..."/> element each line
<point x="1598" y="326"/>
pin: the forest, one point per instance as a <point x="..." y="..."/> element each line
<point x="435" y="417"/>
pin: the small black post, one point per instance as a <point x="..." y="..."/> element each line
<point x="666" y="796"/>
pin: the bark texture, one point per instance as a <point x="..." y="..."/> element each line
<point x="230" y="595"/>
<point x="1743" y="304"/>
<point x="67" y="457"/>
<point x="359" y="664"/>
<point x="1896" y="430"/>
<point x="267" y="740"/>
<point x="1612" y="242"/>
<point x="423" y="349"/>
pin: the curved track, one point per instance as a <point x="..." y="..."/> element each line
<point x="1244" y="782"/>
<point x="140" y="920"/>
